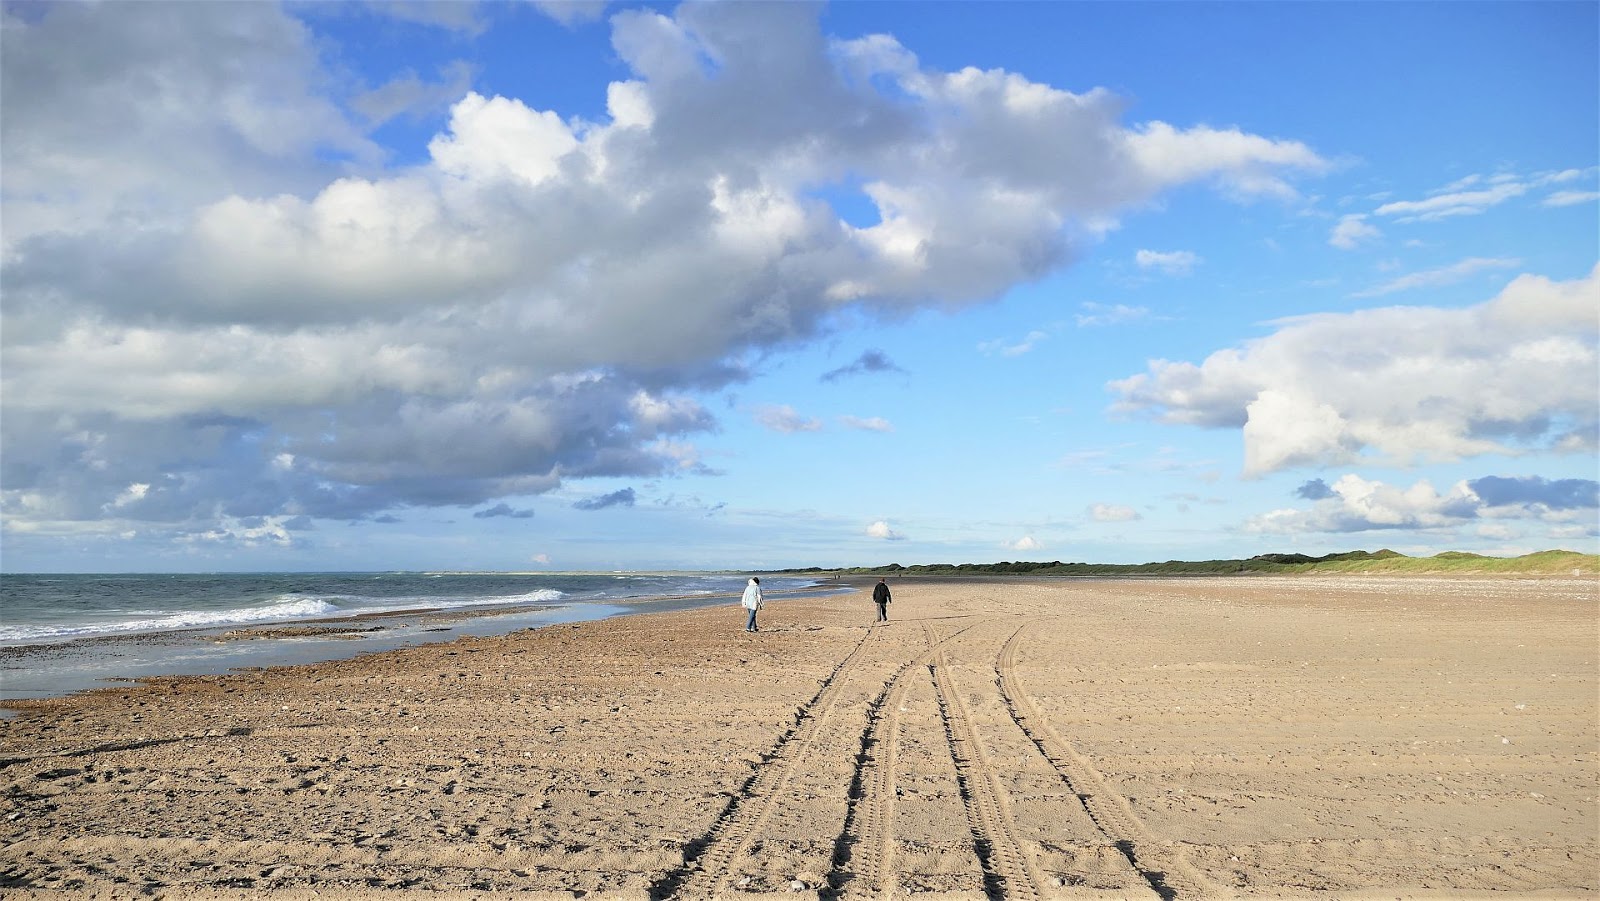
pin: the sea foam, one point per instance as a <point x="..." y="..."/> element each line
<point x="286" y="609"/>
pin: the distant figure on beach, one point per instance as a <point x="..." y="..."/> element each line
<point x="880" y="596"/>
<point x="752" y="603"/>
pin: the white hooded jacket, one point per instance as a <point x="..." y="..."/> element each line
<point x="752" y="596"/>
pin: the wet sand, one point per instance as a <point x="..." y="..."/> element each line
<point x="1274" y="737"/>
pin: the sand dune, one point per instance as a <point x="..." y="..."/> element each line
<point x="1355" y="737"/>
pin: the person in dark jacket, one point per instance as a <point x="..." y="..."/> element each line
<point x="880" y="596"/>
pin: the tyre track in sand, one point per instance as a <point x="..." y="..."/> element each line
<point x="741" y="824"/>
<point x="1161" y="864"/>
<point x="1007" y="871"/>
<point x="863" y="859"/>
<point x="707" y="859"/>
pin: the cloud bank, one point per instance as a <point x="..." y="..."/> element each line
<point x="1399" y="385"/>
<point x="216" y="289"/>
<point x="1355" y="504"/>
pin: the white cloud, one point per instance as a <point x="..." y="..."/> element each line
<point x="132" y="115"/>
<point x="205" y="254"/>
<point x="1444" y="206"/>
<point x="784" y="418"/>
<point x="572" y="12"/>
<point x="882" y="531"/>
<point x="1006" y="349"/>
<point x="1444" y="275"/>
<point x="1176" y="262"/>
<point x="1359" y="505"/>
<point x="1352" y="231"/>
<point x="1496" y="531"/>
<point x="867" y="424"/>
<point x="242" y="532"/>
<point x="1113" y="513"/>
<point x="1098" y="314"/>
<point x="1405" y="384"/>
<point x="410" y="96"/>
<point x="1355" y="504"/>
<point x="451" y="15"/>
<point x="1025" y="543"/>
<point x="1570" y="198"/>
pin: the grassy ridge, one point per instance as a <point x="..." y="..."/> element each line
<point x="1543" y="563"/>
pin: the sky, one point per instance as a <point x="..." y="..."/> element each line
<point x="738" y="285"/>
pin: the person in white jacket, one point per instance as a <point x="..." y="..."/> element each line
<point x="752" y="603"/>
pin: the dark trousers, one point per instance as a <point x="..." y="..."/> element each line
<point x="750" y="624"/>
<point x="883" y="611"/>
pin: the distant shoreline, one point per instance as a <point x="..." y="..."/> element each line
<point x="1553" y="563"/>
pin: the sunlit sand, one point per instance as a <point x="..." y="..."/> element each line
<point x="1356" y="737"/>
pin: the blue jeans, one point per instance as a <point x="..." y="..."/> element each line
<point x="750" y="624"/>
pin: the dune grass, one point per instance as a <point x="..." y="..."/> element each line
<point x="1386" y="562"/>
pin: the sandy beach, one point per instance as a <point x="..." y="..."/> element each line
<point x="1355" y="737"/>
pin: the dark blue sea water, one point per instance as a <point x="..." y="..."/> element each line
<point x="64" y="633"/>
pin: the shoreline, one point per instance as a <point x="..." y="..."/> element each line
<point x="1249" y="738"/>
<point x="88" y="663"/>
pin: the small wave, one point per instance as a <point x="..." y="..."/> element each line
<point x="537" y="596"/>
<point x="299" y="608"/>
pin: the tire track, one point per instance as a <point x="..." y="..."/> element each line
<point x="706" y="859"/>
<point x="1161" y="864"/>
<point x="869" y="818"/>
<point x="1007" y="871"/>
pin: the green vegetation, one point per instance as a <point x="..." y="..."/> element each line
<point x="1546" y="563"/>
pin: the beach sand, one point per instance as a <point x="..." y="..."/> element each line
<point x="1354" y="737"/>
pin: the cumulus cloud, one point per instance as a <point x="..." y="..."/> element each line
<point x="870" y="361"/>
<point x="1314" y="490"/>
<point x="883" y="532"/>
<point x="1352" y="231"/>
<point x="1025" y="543"/>
<point x="411" y="96"/>
<point x="621" y="498"/>
<point x="1355" y="504"/>
<point x="209" y="270"/>
<point x="1398" y="385"/>
<point x="1113" y="513"/>
<point x="1177" y="262"/>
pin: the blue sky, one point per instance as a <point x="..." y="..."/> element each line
<point x="577" y="286"/>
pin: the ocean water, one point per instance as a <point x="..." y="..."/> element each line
<point x="38" y="609"/>
<point x="66" y="633"/>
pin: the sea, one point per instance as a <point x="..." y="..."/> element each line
<point x="63" y="633"/>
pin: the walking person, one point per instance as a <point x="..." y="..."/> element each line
<point x="880" y="596"/>
<point x="751" y="602"/>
